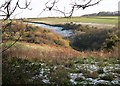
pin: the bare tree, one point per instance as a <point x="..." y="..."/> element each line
<point x="75" y="5"/>
<point x="7" y="9"/>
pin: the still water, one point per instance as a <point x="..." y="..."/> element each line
<point x="58" y="30"/>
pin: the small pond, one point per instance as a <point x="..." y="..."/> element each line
<point x="57" y="29"/>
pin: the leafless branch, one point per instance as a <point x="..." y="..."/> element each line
<point x="78" y="6"/>
<point x="49" y="8"/>
<point x="11" y="44"/>
<point x="74" y="6"/>
<point x="7" y="11"/>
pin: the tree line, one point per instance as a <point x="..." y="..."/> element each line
<point x="116" y="13"/>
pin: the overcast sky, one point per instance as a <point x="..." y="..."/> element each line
<point x="38" y="6"/>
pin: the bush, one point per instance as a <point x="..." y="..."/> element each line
<point x="111" y="41"/>
<point x="95" y="39"/>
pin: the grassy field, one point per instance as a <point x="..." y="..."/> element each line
<point x="94" y="19"/>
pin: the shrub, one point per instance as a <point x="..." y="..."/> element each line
<point x="94" y="40"/>
<point x="111" y="41"/>
<point x="100" y="71"/>
<point x="59" y="77"/>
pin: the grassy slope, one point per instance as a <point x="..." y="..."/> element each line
<point x="33" y="34"/>
<point x="37" y="43"/>
<point x="35" y="51"/>
<point x="95" y="19"/>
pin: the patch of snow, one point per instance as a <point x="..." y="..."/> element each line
<point x="115" y="82"/>
<point x="75" y="75"/>
<point x="73" y="81"/>
<point x="46" y="80"/>
<point x="102" y="82"/>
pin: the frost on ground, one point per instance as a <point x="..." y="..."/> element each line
<point x="72" y="73"/>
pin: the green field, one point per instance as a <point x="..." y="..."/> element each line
<point x="92" y="19"/>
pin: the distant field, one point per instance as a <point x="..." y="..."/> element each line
<point x="92" y="19"/>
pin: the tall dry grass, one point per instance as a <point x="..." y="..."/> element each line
<point x="54" y="54"/>
<point x="40" y="52"/>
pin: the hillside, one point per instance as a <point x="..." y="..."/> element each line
<point x="33" y="34"/>
<point x="35" y="43"/>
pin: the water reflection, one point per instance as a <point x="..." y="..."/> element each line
<point x="64" y="33"/>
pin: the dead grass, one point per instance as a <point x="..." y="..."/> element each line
<point x="32" y="34"/>
<point x="51" y="53"/>
<point x="40" y="52"/>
